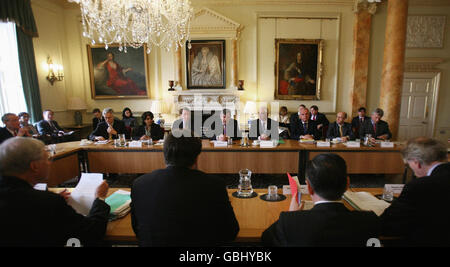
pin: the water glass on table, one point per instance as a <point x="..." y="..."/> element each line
<point x="272" y="192"/>
<point x="245" y="188"/>
<point x="388" y="194"/>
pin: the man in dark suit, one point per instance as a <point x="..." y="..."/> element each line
<point x="302" y="127"/>
<point x="320" y="119"/>
<point x="378" y="128"/>
<point x="180" y="205"/>
<point x="12" y="127"/>
<point x="97" y="118"/>
<point x="186" y="122"/>
<point x="359" y="120"/>
<point x="263" y="128"/>
<point x="40" y="218"/>
<point x="420" y="215"/>
<point x="49" y="129"/>
<point x="340" y="128"/>
<point x="148" y="129"/>
<point x="329" y="222"/>
<point x="223" y="127"/>
<point x="48" y="126"/>
<point x="108" y="129"/>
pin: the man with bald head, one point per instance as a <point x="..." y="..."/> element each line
<point x="263" y="128"/>
<point x="340" y="128"/>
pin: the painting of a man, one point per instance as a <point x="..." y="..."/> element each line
<point x="122" y="77"/>
<point x="205" y="64"/>
<point x="297" y="69"/>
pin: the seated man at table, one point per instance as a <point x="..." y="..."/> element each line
<point x="40" y="218"/>
<point x="228" y="127"/>
<point x="420" y="215"/>
<point x="263" y="128"/>
<point x="329" y="222"/>
<point x="320" y="119"/>
<point x="148" y="129"/>
<point x="49" y="128"/>
<point x="302" y="127"/>
<point x="376" y="127"/>
<point x="12" y="127"/>
<point x="340" y="128"/>
<point x="359" y="120"/>
<point x="108" y="129"/>
<point x="180" y="205"/>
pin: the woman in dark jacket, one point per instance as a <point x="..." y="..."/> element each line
<point x="148" y="129"/>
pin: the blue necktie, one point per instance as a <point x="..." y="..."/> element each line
<point x="305" y="127"/>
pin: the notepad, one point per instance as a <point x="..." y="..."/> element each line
<point x="119" y="202"/>
<point x="365" y="201"/>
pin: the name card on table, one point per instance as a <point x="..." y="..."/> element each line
<point x="266" y="144"/>
<point x="387" y="144"/>
<point x="135" y="144"/>
<point x="323" y="144"/>
<point x="303" y="189"/>
<point x="395" y="188"/>
<point x="353" y="144"/>
<point x="220" y="144"/>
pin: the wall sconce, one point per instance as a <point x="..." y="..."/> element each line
<point x="55" y="71"/>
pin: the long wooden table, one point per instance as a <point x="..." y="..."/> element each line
<point x="288" y="157"/>
<point x="253" y="215"/>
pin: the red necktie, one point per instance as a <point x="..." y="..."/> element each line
<point x="375" y="128"/>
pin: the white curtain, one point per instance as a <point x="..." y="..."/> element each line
<point x="12" y="99"/>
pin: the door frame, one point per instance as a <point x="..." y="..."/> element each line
<point x="436" y="78"/>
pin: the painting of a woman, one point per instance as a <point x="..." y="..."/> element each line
<point x="117" y="79"/>
<point x="205" y="64"/>
<point x="117" y="74"/>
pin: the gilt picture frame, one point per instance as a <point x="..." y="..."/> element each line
<point x="205" y="64"/>
<point x="298" y="69"/>
<point x="115" y="74"/>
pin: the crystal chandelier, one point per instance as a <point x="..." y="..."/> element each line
<point x="162" y="23"/>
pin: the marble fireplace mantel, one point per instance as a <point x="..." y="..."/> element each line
<point x="207" y="100"/>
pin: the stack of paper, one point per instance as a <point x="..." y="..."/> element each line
<point x="120" y="204"/>
<point x="365" y="201"/>
<point x="307" y="141"/>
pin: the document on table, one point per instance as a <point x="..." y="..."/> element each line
<point x="366" y="201"/>
<point x="83" y="195"/>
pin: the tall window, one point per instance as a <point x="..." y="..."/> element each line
<point x="11" y="90"/>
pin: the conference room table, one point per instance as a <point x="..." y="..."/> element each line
<point x="254" y="215"/>
<point x="72" y="158"/>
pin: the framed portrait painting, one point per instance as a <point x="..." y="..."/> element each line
<point x="298" y="69"/>
<point x="115" y="74"/>
<point x="205" y="64"/>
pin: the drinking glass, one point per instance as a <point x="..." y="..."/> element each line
<point x="116" y="143"/>
<point x="272" y="192"/>
<point x="245" y="183"/>
<point x="388" y="195"/>
<point x="122" y="140"/>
